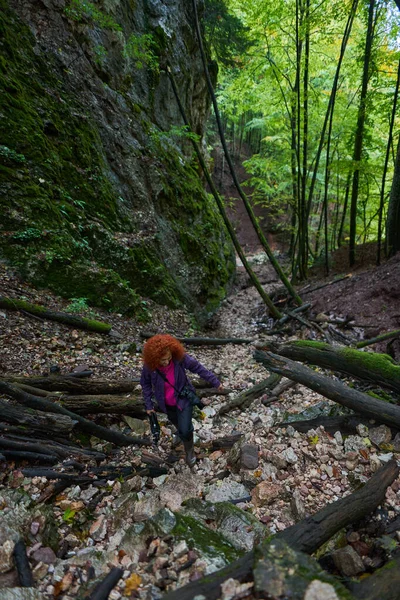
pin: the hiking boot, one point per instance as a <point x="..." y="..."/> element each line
<point x="189" y="451"/>
<point x="176" y="440"/>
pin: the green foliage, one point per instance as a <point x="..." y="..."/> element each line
<point x="100" y="54"/>
<point x="225" y="33"/>
<point x="78" y="305"/>
<point x="164" y="138"/>
<point x="69" y="515"/>
<point x="141" y="49"/>
<point x="81" y="11"/>
<point x="10" y="155"/>
<point x="26" y="235"/>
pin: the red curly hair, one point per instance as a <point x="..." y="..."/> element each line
<point x="157" y="346"/>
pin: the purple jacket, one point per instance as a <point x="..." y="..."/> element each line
<point x="153" y="384"/>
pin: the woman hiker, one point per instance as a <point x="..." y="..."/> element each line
<point x="164" y="377"/>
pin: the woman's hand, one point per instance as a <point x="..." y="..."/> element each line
<point x="220" y="388"/>
<point x="150" y="411"/>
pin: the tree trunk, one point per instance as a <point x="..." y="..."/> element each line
<point x="310" y="533"/>
<point x="385" y="166"/>
<point x="60" y="317"/>
<point x="266" y="299"/>
<point x="75" y="386"/>
<point x="347" y="425"/>
<point x="22" y="563"/>
<point x="88" y="426"/>
<point x="248" y="207"/>
<point x="199" y="341"/>
<point x="44" y="423"/>
<point x="103" y="589"/>
<point x="372" y="366"/>
<point x="110" y="404"/>
<point x="393" y="218"/>
<point x="359" y="136"/>
<point x="381" y="411"/>
<point x="244" y="399"/>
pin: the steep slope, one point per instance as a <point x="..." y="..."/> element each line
<point x="100" y="195"/>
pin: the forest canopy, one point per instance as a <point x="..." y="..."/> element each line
<point x="308" y="93"/>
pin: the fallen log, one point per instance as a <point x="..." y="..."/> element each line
<point x="372" y="366"/>
<point x="8" y="444"/>
<point x="361" y="403"/>
<point x="107" y="403"/>
<point x="384" y="584"/>
<point x="75" y="386"/>
<point x="379" y="338"/>
<point x="60" y="317"/>
<point x="103" y="589"/>
<point x="87" y="426"/>
<point x="42" y="422"/>
<point x="22" y="564"/>
<point x="345" y="424"/>
<point x="323" y="285"/>
<point x="61" y="450"/>
<point x="244" y="399"/>
<point x="306" y="536"/>
<point x="224" y="442"/>
<point x="47" y="459"/>
<point x="310" y="533"/>
<point x="200" y="341"/>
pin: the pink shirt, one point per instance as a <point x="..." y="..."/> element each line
<point x="169" y="391"/>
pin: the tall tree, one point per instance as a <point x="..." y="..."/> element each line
<point x="358" y="141"/>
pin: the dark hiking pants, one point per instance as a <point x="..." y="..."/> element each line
<point x="182" y="419"/>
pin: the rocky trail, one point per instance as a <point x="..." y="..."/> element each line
<point x="136" y="518"/>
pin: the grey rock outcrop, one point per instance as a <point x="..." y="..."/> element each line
<point x="103" y="200"/>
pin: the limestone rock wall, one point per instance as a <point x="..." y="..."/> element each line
<point x="100" y="193"/>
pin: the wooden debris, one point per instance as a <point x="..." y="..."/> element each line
<point x="361" y="403"/>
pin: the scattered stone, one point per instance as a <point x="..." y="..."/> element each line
<point x="6" y="556"/>
<point x="380" y="435"/>
<point x="44" y="555"/>
<point x="297" y="506"/>
<point x="226" y="490"/>
<point x="318" y="590"/>
<point x="249" y="456"/>
<point x="265" y="493"/>
<point x="348" y="562"/>
<point x="147" y="507"/>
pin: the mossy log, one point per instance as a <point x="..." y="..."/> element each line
<point x="110" y="404"/>
<point x="60" y="317"/>
<point x="384" y="584"/>
<point x="361" y="403"/>
<point x="75" y="386"/>
<point x="372" y="366"/>
<point x="244" y="399"/>
<point x="44" y="423"/>
<point x="87" y="426"/>
<point x="306" y="536"/>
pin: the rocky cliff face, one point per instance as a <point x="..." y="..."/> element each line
<point x="101" y="197"/>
